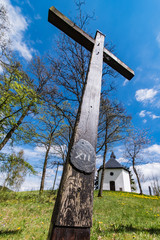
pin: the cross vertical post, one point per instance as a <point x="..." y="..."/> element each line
<point x="73" y="208"/>
<point x="72" y="214"/>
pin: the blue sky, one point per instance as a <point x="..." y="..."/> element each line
<point x="133" y="27"/>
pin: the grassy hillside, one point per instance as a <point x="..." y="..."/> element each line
<point x="117" y="216"/>
<point x="5" y="189"/>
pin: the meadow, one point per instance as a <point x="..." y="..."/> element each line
<point x="116" y="216"/>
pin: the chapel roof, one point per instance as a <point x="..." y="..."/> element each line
<point x="112" y="163"/>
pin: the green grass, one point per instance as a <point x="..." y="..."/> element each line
<point x="117" y="216"/>
<point x="5" y="189"/>
<point x="127" y="216"/>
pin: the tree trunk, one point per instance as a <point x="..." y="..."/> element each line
<point x="14" y="128"/>
<point x="5" y="181"/>
<point x="4" y="185"/>
<point x="104" y="160"/>
<point x="55" y="176"/>
<point x="138" y="180"/>
<point x="103" y="170"/>
<point x="44" y="168"/>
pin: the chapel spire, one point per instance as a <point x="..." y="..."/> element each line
<point x="112" y="155"/>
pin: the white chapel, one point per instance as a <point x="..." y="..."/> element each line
<point x="116" y="177"/>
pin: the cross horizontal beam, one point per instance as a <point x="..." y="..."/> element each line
<point x="72" y="30"/>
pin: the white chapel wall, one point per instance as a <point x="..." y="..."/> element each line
<point x="127" y="185"/>
<point x="117" y="178"/>
<point x="120" y="177"/>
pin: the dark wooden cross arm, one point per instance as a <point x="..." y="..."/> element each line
<point x="72" y="30"/>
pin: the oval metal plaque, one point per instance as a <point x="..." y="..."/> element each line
<point x="83" y="156"/>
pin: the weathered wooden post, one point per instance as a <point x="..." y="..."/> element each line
<point x="72" y="214"/>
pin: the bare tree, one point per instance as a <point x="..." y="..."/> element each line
<point x="4" y="29"/>
<point x="134" y="146"/>
<point x="155" y="186"/>
<point x="71" y="66"/>
<point x="48" y="127"/>
<point x="113" y="126"/>
<point x="57" y="164"/>
<point x="61" y="149"/>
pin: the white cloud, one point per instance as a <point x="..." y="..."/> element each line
<point x="34" y="153"/>
<point x="145" y="113"/>
<point x="158" y="39"/>
<point x="28" y="2"/>
<point x="142" y="113"/>
<point x="17" y="28"/>
<point x="125" y="82"/>
<point x="153" y="149"/>
<point x="33" y="182"/>
<point x="55" y="150"/>
<point x="122" y="160"/>
<point x="29" y="153"/>
<point x="146" y="94"/>
<point x="151" y="156"/>
<point x="37" y="17"/>
<point x="149" y="171"/>
<point x="39" y="149"/>
<point x="139" y="69"/>
<point x="152" y="153"/>
<point x="35" y="156"/>
<point x="23" y="49"/>
<point x="99" y="161"/>
<point x="154" y="116"/>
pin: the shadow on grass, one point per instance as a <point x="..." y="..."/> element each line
<point x="8" y="232"/>
<point x="130" y="228"/>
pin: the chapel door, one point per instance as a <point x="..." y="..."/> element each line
<point x="112" y="185"/>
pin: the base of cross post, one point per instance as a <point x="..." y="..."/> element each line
<point x="70" y="233"/>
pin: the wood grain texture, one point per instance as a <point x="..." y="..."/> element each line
<point x="74" y="203"/>
<point x="61" y="233"/>
<point x="76" y="200"/>
<point x="88" y="122"/>
<point x="77" y="197"/>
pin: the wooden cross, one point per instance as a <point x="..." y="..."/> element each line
<point x="72" y="214"/>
